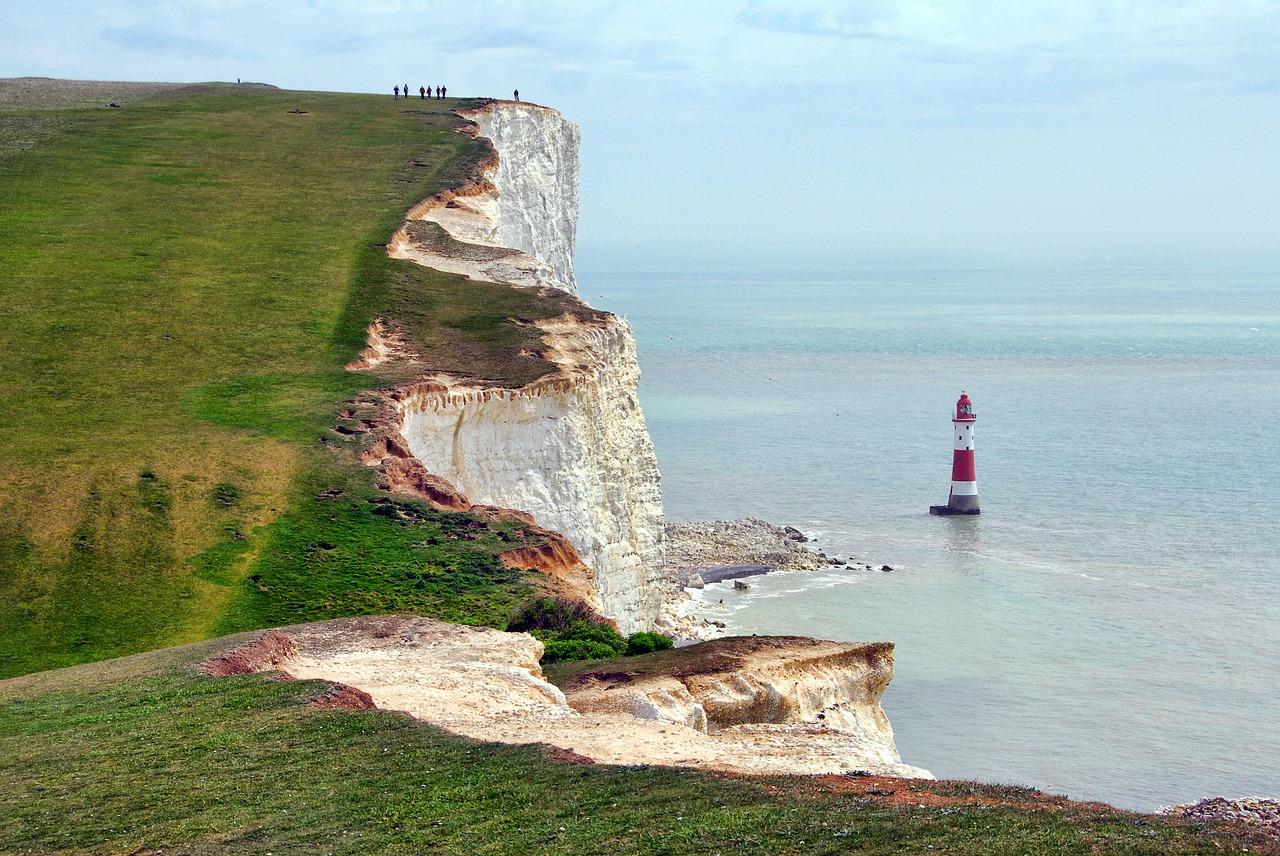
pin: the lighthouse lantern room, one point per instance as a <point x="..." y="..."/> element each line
<point x="964" y="477"/>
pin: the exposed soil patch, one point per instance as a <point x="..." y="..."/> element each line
<point x="566" y="756"/>
<point x="266" y="652"/>
<point x="344" y="697"/>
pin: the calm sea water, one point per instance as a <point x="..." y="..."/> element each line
<point x="1109" y="627"/>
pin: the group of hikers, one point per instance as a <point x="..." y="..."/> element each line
<point x="424" y="92"/>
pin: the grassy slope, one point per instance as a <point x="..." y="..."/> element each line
<point x="183" y="279"/>
<point x="143" y="755"/>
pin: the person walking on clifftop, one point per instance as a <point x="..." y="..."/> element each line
<point x="517" y="94"/>
<point x="422" y="92"/>
<point x="397" y="89"/>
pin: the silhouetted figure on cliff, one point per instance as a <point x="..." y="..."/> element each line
<point x="422" y="92"/>
<point x="437" y="92"/>
<point x="517" y="94"/>
<point x="397" y="89"/>
<point x="444" y="92"/>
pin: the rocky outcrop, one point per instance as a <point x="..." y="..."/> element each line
<point x="1252" y="812"/>
<point x="755" y="705"/>
<point x="775" y="680"/>
<point x="572" y="448"/>
<point x="519" y="223"/>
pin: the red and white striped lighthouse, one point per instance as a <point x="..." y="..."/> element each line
<point x="964" y="478"/>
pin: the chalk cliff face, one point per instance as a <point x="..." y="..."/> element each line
<point x="537" y="181"/>
<point x="571" y="449"/>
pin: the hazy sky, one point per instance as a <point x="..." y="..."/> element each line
<point x="792" y="123"/>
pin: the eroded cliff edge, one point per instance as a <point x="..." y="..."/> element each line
<point x="571" y="449"/>
<point x="744" y="705"/>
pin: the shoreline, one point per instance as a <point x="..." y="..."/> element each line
<point x="704" y="553"/>
<point x="721" y="573"/>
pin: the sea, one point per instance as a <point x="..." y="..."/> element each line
<point x="1109" y="627"/>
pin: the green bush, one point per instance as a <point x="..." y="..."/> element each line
<point x="645" y="642"/>
<point x="569" y="630"/>
<point x="599" y="634"/>
<point x="561" y="650"/>
<point x="556" y="614"/>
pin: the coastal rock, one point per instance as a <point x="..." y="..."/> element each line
<point x="536" y="181"/>
<point x="721" y="550"/>
<point x="517" y="225"/>
<point x="752" y="680"/>
<point x="795" y="534"/>
<point x="748" y="705"/>
<point x="746" y="541"/>
<point x="1256" y="812"/>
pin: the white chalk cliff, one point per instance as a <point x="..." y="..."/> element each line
<point x="572" y="448"/>
<point x="537" y="181"/>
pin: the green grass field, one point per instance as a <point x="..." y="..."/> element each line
<point x="183" y="279"/>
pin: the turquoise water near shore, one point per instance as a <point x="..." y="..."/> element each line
<point x="1109" y="627"/>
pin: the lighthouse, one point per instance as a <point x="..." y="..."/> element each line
<point x="964" y="478"/>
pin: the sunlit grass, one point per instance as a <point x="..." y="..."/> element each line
<point x="183" y="279"/>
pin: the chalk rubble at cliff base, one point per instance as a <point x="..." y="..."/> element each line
<point x="709" y="551"/>
<point x="694" y="546"/>
<point x="486" y="684"/>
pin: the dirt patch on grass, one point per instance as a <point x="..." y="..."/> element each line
<point x="261" y="654"/>
<point x="566" y="756"/>
<point x="344" y="697"/>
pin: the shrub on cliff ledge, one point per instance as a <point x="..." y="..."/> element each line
<point x="555" y="614"/>
<point x="645" y="642"/>
<point x="570" y="630"/>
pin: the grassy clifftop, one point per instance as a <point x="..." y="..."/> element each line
<point x="183" y="278"/>
<point x="145" y="755"/>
